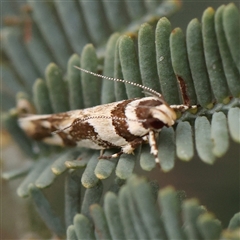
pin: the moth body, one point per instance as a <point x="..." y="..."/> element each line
<point x="124" y="124"/>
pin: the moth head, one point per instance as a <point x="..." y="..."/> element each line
<point x="160" y="116"/>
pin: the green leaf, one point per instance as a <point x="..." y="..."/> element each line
<point x="47" y="177"/>
<point x="234" y="222"/>
<point x="204" y="144"/>
<point x="234" y="123"/>
<point x="229" y="67"/>
<point x="181" y="66"/>
<point x="209" y="227"/>
<point x="19" y="172"/>
<point x="105" y="167"/>
<point x="83" y="227"/>
<point x="113" y="9"/>
<point x="37" y="49"/>
<point x="165" y="71"/>
<point x="52" y="31"/>
<point x="147" y="57"/>
<point x="140" y="228"/>
<point x="167" y="149"/>
<point x="89" y="179"/>
<point x="147" y="212"/>
<point x="41" y="97"/>
<point x="212" y="57"/>
<point x="90" y="84"/>
<point x="74" y="83"/>
<point x="100" y="223"/>
<point x="94" y="16"/>
<point x="15" y="50"/>
<point x="9" y="121"/>
<point x="57" y="88"/>
<point x="58" y="166"/>
<point x="191" y="211"/>
<point x="184" y="141"/>
<point x="119" y="88"/>
<point x="92" y="195"/>
<point x="111" y="209"/>
<point x="126" y="164"/>
<point x="126" y="214"/>
<point x="71" y="235"/>
<point x="231" y="24"/>
<point x="197" y="64"/>
<point x="72" y="196"/>
<point x="170" y="210"/>
<point x="46" y="212"/>
<point x="108" y="95"/>
<point x="219" y="134"/>
<point x="79" y="38"/>
<point x="147" y="160"/>
<point x="130" y="68"/>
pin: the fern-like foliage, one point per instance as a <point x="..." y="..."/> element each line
<point x="133" y="214"/>
<point x="201" y="68"/>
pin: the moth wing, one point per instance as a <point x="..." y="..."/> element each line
<point x="40" y="127"/>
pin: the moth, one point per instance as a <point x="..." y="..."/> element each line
<point x="123" y="125"/>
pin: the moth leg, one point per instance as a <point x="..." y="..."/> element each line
<point x="101" y="153"/>
<point x="128" y="149"/>
<point x="131" y="146"/>
<point x="115" y="155"/>
<point x="145" y="138"/>
<point x="153" y="146"/>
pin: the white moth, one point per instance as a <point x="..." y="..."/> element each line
<point x="124" y="124"/>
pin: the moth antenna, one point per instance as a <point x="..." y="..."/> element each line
<point x="155" y="93"/>
<point x="96" y="117"/>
